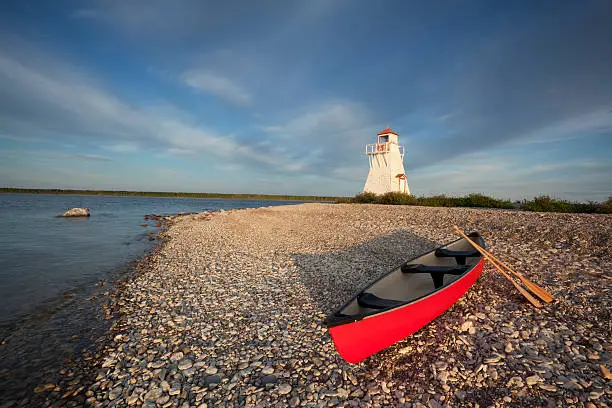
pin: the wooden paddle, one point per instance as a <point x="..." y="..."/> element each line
<point x="484" y="253"/>
<point x="536" y="289"/>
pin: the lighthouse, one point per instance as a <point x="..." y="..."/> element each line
<point x="386" y="165"/>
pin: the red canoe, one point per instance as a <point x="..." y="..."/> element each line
<point x="405" y="299"/>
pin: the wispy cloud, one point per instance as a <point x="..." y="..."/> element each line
<point x="580" y="126"/>
<point x="325" y="137"/>
<point x="37" y="100"/>
<point x="215" y="84"/>
<point x="85" y="156"/>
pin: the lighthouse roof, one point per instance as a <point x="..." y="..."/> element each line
<point x="386" y="131"/>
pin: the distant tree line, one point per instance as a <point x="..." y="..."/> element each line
<point x="541" y="203"/>
<point x="170" y="194"/>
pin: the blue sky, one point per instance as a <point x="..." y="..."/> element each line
<point x="507" y="98"/>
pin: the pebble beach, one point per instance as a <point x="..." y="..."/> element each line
<point x="228" y="309"/>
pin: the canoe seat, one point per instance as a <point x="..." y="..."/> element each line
<point x="437" y="272"/>
<point x="460" y="256"/>
<point x="372" y="301"/>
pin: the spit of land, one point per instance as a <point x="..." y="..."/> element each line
<point x="228" y="312"/>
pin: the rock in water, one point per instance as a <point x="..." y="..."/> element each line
<point x="77" y="212"/>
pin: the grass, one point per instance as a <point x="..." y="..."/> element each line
<point x="541" y="203"/>
<point x="170" y="194"/>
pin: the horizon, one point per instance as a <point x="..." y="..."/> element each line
<point x="510" y="100"/>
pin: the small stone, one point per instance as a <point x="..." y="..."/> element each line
<point x="593" y="355"/>
<point x="203" y="405"/>
<point x="267" y="370"/>
<point x="211" y="370"/>
<point x="443" y="376"/>
<point x="131" y="400"/>
<point x="157" y="364"/>
<point x="434" y="403"/>
<point x="342" y="393"/>
<point x="515" y="382"/>
<point x="548" y="387"/>
<point x="153" y="394"/>
<point x="532" y="380"/>
<point x="44" y="387"/>
<point x="268" y="379"/>
<point x="185" y="364"/>
<point x="490" y="360"/>
<point x="384" y="387"/>
<point x="115" y="393"/>
<point x="571" y="385"/>
<point x="294" y="402"/>
<point x="466" y="325"/>
<point x="460" y="395"/>
<point x="508" y="349"/>
<point x="163" y="399"/>
<point x="175" y="388"/>
<point x="178" y="356"/>
<point x="212" y="379"/>
<point x="284" y="389"/>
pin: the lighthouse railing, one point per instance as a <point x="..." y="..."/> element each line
<point x="375" y="148"/>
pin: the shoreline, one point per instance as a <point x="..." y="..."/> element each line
<point x="290" y="258"/>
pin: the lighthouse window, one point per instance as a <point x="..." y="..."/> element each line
<point x="384" y="139"/>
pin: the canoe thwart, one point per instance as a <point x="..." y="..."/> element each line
<point x="460" y="256"/>
<point x="420" y="268"/>
<point x="437" y="272"/>
<point x="372" y="301"/>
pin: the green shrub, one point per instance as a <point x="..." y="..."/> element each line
<point x="548" y="204"/>
<point x="541" y="203"/>
<point x="438" y="201"/>
<point x="480" y="200"/>
<point x="366" y="198"/>
<point x="396" y="198"/>
<point x="606" y="208"/>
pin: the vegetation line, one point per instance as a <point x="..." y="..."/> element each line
<point x="541" y="203"/>
<point x="169" y="194"/>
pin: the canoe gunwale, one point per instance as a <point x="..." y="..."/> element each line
<point x="335" y="319"/>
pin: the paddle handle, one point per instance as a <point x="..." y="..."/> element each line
<point x="484" y="253"/>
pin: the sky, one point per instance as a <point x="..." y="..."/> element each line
<point x="508" y="98"/>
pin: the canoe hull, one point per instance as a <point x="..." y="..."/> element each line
<point x="359" y="340"/>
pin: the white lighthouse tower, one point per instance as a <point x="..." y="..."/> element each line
<point x="386" y="165"/>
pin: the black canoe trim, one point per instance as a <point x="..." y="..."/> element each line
<point x="337" y="319"/>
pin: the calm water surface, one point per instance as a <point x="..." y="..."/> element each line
<point x="43" y="257"/>
<point x="49" y="268"/>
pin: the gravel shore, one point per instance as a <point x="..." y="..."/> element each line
<point x="228" y="312"/>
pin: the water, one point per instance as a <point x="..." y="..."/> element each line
<point x="50" y="266"/>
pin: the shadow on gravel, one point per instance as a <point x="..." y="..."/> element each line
<point x="332" y="278"/>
